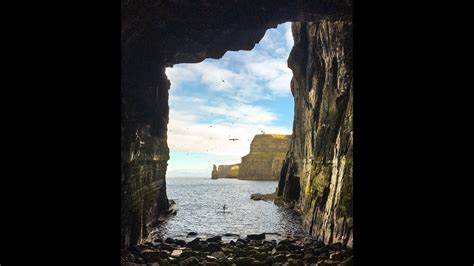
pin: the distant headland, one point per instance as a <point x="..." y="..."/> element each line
<point x="264" y="162"/>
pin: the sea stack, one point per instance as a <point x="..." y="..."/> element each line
<point x="214" y="172"/>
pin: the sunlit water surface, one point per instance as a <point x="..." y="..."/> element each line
<point x="199" y="203"/>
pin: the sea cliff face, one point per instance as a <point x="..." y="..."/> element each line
<point x="264" y="162"/>
<point x="228" y="171"/>
<point x="317" y="173"/>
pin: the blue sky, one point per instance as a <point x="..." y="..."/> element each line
<point x="236" y="96"/>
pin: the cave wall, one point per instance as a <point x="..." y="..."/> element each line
<point x="317" y="173"/>
<point x="156" y="34"/>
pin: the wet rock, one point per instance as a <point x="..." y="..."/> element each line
<point x="212" y="247"/>
<point x="256" y="237"/>
<point x="260" y="256"/>
<point x="231" y="235"/>
<point x="347" y="262"/>
<point x="239" y="252"/>
<point x="218" y="254"/>
<point x="180" y="242"/>
<point x="158" y="240"/>
<point x="265" y="197"/>
<point x="336" y="246"/>
<point x="323" y="256"/>
<point x="189" y="253"/>
<point x="162" y="262"/>
<point x="189" y="261"/>
<point x="242" y="240"/>
<point x="242" y="261"/>
<point x="310" y="258"/>
<point x="227" y="250"/>
<point x="169" y="240"/>
<point x="336" y="256"/>
<point x="168" y="247"/>
<point x="279" y="258"/>
<point x="211" y="258"/>
<point x="176" y="253"/>
<point x="297" y="263"/>
<point x="209" y="263"/>
<point x="214" y="239"/>
<point x="192" y="234"/>
<point x="327" y="263"/>
<point x="151" y="256"/>
<point x="281" y="247"/>
<point x="136" y="249"/>
<point x="194" y="243"/>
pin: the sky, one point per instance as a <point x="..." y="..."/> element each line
<point x="236" y="96"/>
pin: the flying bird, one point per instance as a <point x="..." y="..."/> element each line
<point x="233" y="139"/>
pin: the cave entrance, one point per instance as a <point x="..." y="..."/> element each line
<point x="217" y="107"/>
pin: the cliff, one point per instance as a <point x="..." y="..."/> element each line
<point x="317" y="173"/>
<point x="264" y="162"/>
<point x="228" y="171"/>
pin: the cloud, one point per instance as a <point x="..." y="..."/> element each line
<point x="186" y="133"/>
<point x="215" y="100"/>
<point x="254" y="75"/>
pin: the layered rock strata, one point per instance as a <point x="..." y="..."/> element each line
<point x="264" y="162"/>
<point x="228" y="171"/>
<point x="317" y="173"/>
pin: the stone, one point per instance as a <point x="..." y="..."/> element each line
<point x="336" y="256"/>
<point x="242" y="261"/>
<point x="189" y="261"/>
<point x="336" y="246"/>
<point x="212" y="247"/>
<point x="264" y="197"/>
<point x="327" y="263"/>
<point x="152" y="256"/>
<point x="214" y="239"/>
<point x="347" y="262"/>
<point x="279" y="258"/>
<point x="169" y="240"/>
<point x="180" y="242"/>
<point x="218" y="254"/>
<point x="231" y="235"/>
<point x="211" y="258"/>
<point x="193" y="243"/>
<point x="189" y="253"/>
<point x="256" y="236"/>
<point x="167" y="247"/>
<point x="310" y="258"/>
<point x="176" y="253"/>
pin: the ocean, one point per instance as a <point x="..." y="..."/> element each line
<point x="200" y="201"/>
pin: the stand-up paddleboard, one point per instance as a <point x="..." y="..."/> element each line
<point x="223" y="212"/>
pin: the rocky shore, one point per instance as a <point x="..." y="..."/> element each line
<point x="253" y="250"/>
